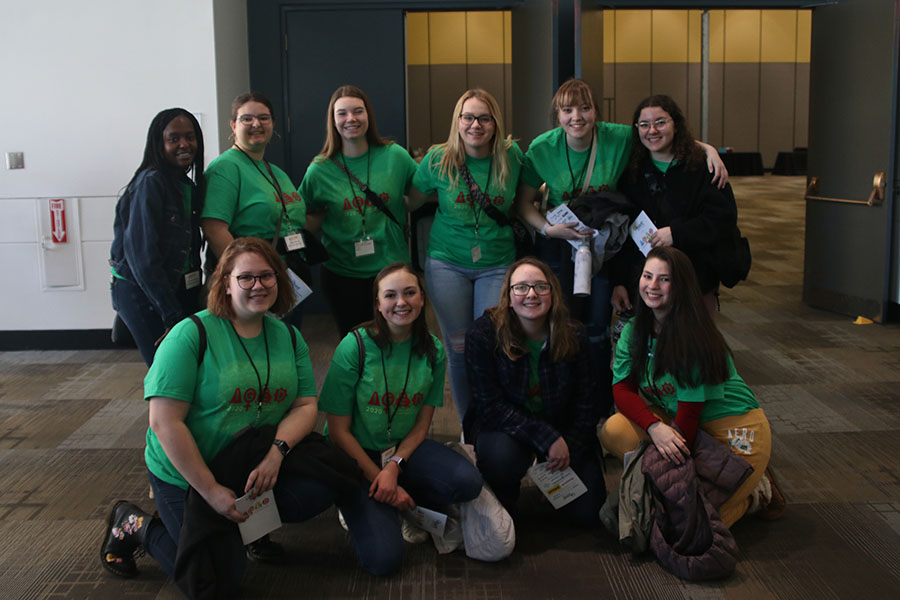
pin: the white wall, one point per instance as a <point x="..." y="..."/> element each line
<point x="81" y="81"/>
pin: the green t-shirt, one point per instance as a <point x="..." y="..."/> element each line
<point x="240" y="192"/>
<point x="731" y="398"/>
<point x="534" y="403"/>
<point x="365" y="398"/>
<point x="388" y="171"/>
<point x="453" y="232"/>
<point x="222" y="390"/>
<point x="545" y="162"/>
<point x="663" y="166"/>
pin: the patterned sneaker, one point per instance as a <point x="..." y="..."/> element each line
<point x="124" y="533"/>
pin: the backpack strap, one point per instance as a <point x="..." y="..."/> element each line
<point x="201" y="330"/>
<point x="293" y="333"/>
<point x="362" y="351"/>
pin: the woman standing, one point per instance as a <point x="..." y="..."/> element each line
<point x="254" y="372"/>
<point x="246" y="195"/>
<point x="672" y="352"/>
<point x="474" y="175"/>
<point x="354" y="190"/>
<point x="380" y="409"/>
<point x="534" y="391"/>
<point x="155" y="254"/>
<point x="666" y="179"/>
<point x="583" y="155"/>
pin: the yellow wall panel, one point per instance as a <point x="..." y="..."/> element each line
<point x="742" y="35"/>
<point x="609" y="36"/>
<point x="447" y="38"/>
<point x="416" y="38"/>
<point x="484" y="37"/>
<point x="695" y="35"/>
<point x="669" y="35"/>
<point x="507" y="36"/>
<point x="778" y="40"/>
<point x="633" y="36"/>
<point x="804" y="33"/>
<point x="717" y="36"/>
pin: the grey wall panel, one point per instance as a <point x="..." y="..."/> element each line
<point x="776" y="110"/>
<point x="592" y="48"/>
<point x="670" y="79"/>
<point x="632" y="86"/>
<point x="801" y="106"/>
<point x="608" y="101"/>
<point x="418" y="106"/>
<point x="716" y="83"/>
<point x="741" y="106"/>
<point x="508" y="94"/>
<point x="532" y="59"/>
<point x="488" y="77"/>
<point x="448" y="83"/>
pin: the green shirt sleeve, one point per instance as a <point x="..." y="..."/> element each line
<point x="222" y="191"/>
<point x="174" y="371"/>
<point x="306" y="382"/>
<point x="435" y="395"/>
<point x="339" y="390"/>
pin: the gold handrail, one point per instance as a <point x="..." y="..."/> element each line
<point x="878" y="187"/>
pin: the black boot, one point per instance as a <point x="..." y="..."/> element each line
<point x="265" y="550"/>
<point x="124" y="535"/>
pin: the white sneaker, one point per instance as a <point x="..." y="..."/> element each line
<point x="412" y="533"/>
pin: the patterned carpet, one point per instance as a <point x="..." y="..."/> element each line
<point x="72" y="426"/>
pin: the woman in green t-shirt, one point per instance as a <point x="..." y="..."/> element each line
<point x="354" y="191"/>
<point x="232" y="375"/>
<point x="385" y="381"/>
<point x="672" y="354"/>
<point x="474" y="175"/>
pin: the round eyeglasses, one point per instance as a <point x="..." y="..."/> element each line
<point x="247" y="281"/>
<point x="521" y="289"/>
<point x="248" y="119"/>
<point x="657" y="124"/>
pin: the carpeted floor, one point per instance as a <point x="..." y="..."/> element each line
<point x="72" y="426"/>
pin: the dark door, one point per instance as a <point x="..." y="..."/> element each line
<point x="852" y="125"/>
<point x="330" y="48"/>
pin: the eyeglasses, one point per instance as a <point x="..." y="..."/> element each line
<point x="248" y="119"/>
<point x="521" y="289"/>
<point x="657" y="124"/>
<point x="469" y="118"/>
<point x="247" y="281"/>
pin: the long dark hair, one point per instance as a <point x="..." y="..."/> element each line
<point x="689" y="346"/>
<point x="377" y="328"/>
<point x="511" y="338"/>
<point x="155" y="152"/>
<point x="684" y="147"/>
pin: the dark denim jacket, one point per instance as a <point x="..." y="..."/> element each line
<point x="500" y="388"/>
<point x="152" y="239"/>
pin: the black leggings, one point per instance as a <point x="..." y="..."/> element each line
<point x="349" y="298"/>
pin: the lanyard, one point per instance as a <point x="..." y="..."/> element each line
<point x="362" y="188"/>
<point x="575" y="184"/>
<point x="273" y="182"/>
<point x="487" y="187"/>
<point x="386" y="392"/>
<point x="259" y="397"/>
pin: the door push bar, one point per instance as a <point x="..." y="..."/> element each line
<point x="875" y="198"/>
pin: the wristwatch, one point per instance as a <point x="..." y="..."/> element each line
<point x="401" y="462"/>
<point x="282" y="447"/>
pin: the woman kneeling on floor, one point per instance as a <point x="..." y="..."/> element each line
<point x="534" y="391"/>
<point x="253" y="371"/>
<point x="385" y="381"/>
<point x="672" y="353"/>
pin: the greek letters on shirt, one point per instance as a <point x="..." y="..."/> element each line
<point x="288" y="198"/>
<point x="665" y="389"/>
<point x="467" y="199"/>
<point x="567" y="195"/>
<point x="382" y="402"/>
<point x="244" y="399"/>
<point x="358" y="203"/>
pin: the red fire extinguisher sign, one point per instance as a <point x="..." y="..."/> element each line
<point x="58" y="220"/>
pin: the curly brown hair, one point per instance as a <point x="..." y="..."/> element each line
<point x="684" y="146"/>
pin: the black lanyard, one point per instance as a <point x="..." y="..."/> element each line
<point x="487" y="187"/>
<point x="386" y="392"/>
<point x="259" y="398"/>
<point x="273" y="182"/>
<point x="575" y="184"/>
<point x="362" y="189"/>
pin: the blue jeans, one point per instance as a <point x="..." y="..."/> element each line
<point x="504" y="460"/>
<point x="460" y="295"/>
<point x="298" y="498"/>
<point x="143" y="321"/>
<point x="595" y="312"/>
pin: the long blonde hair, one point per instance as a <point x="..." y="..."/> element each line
<point x="454" y="151"/>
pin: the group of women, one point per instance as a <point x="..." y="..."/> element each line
<point x="527" y="381"/>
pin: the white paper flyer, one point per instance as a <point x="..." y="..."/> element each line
<point x="560" y="487"/>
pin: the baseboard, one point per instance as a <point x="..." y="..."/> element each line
<point x="58" y="339"/>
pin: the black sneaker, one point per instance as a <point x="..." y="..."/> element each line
<point x="124" y="533"/>
<point x="265" y="550"/>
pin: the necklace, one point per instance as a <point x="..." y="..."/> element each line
<point x="262" y="390"/>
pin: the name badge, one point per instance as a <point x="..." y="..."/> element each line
<point x="386" y="455"/>
<point x="364" y="247"/>
<point x="294" y="242"/>
<point x="191" y="280"/>
<point x="476" y="253"/>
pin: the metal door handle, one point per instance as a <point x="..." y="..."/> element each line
<point x="875" y="198"/>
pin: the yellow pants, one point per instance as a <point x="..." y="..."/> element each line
<point x="747" y="435"/>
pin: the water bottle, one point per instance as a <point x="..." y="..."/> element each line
<point x="583" y="269"/>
